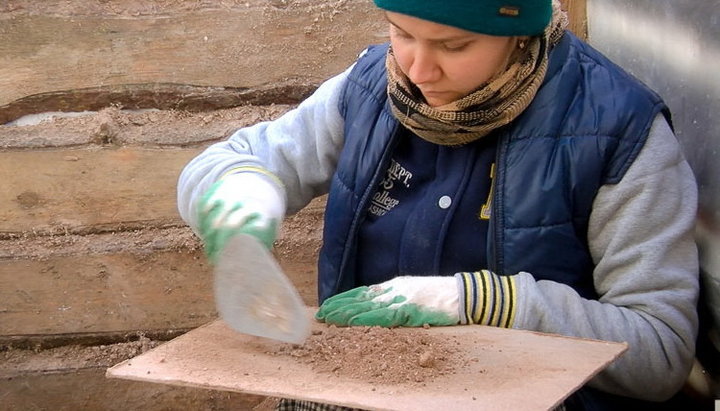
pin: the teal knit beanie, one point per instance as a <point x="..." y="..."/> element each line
<point x="494" y="17"/>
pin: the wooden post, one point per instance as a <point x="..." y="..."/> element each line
<point x="577" y="13"/>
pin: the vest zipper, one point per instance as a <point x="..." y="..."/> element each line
<point x="495" y="226"/>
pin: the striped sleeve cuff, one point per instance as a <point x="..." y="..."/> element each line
<point x="487" y="298"/>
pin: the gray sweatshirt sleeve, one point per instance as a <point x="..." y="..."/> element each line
<point x="301" y="148"/>
<point x="641" y="239"/>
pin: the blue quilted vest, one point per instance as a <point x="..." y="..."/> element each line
<point x="585" y="126"/>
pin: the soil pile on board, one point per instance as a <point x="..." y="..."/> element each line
<point x="378" y="355"/>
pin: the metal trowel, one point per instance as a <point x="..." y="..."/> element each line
<point x="253" y="296"/>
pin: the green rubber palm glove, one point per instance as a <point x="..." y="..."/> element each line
<point x="479" y="297"/>
<point x="244" y="202"/>
<point x="400" y="302"/>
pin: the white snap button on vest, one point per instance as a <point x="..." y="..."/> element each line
<point x="445" y="202"/>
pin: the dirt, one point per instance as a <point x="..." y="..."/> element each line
<point x="17" y="362"/>
<point x="147" y="240"/>
<point x="126" y="8"/>
<point x="378" y="355"/>
<point x="115" y="126"/>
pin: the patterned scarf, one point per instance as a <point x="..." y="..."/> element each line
<point x="496" y="103"/>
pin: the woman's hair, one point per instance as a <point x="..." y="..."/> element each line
<point x="493" y="17"/>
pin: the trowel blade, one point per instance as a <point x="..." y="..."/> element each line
<point x="253" y="296"/>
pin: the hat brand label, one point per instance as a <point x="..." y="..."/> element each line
<point x="510" y="11"/>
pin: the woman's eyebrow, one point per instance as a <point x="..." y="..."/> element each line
<point x="392" y="23"/>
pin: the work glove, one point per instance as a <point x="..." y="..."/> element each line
<point x="480" y="297"/>
<point x="241" y="202"/>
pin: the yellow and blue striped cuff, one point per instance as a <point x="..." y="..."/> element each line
<point x="487" y="298"/>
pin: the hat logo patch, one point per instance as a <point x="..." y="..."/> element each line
<point x="510" y="11"/>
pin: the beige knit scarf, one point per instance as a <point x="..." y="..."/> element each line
<point x="496" y="103"/>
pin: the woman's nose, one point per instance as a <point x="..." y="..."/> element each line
<point x="424" y="68"/>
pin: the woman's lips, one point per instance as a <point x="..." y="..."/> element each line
<point x="435" y="98"/>
<point x="435" y="94"/>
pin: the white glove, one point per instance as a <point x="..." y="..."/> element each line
<point x="241" y="202"/>
<point x="403" y="301"/>
<point x="480" y="297"/>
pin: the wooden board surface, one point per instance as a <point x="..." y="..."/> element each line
<point x="506" y="369"/>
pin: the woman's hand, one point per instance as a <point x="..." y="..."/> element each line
<point x="239" y="203"/>
<point x="402" y="301"/>
<point x="479" y="297"/>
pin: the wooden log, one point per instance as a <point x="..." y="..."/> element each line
<point x="187" y="59"/>
<point x="91" y="244"/>
<point x="152" y="280"/>
<point x="155" y="96"/>
<point x="130" y="289"/>
<point x="256" y="45"/>
<point x="112" y="127"/>
<point x="88" y="389"/>
<point x="102" y="189"/>
<point x="577" y="14"/>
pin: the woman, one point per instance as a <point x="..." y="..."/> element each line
<point x="485" y="167"/>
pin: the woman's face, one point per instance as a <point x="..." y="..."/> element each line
<point x="446" y="63"/>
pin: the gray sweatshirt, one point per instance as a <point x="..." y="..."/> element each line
<point x="640" y="236"/>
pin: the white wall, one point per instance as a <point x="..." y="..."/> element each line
<point x="674" y="47"/>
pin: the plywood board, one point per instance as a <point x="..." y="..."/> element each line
<point x="506" y="369"/>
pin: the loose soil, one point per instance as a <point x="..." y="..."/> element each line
<point x="378" y="355"/>
<point x="115" y="126"/>
<point x="124" y="8"/>
<point x="72" y="357"/>
<point x="147" y="240"/>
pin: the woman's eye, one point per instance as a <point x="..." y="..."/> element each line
<point x="396" y="32"/>
<point x="402" y="35"/>
<point x="452" y="47"/>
